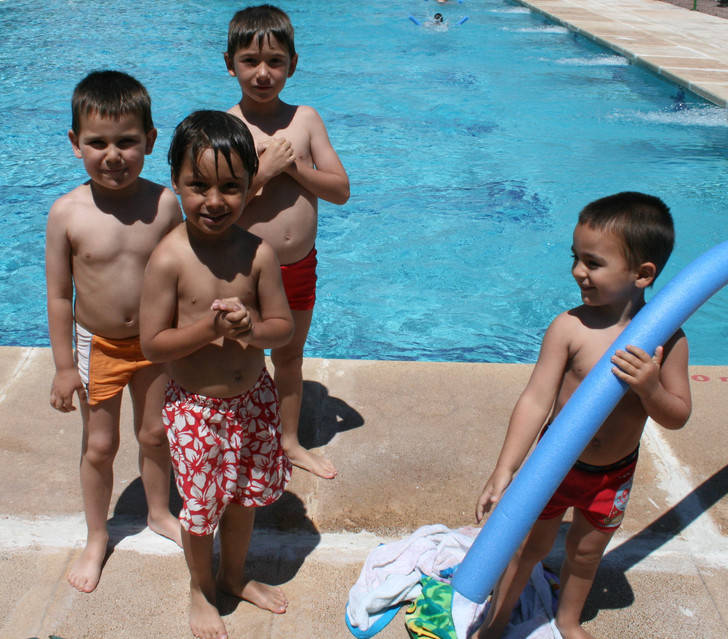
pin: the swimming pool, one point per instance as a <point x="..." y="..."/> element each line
<point x="470" y="152"/>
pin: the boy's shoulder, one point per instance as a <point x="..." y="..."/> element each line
<point x="71" y="201"/>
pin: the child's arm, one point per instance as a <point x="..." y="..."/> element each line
<point x="59" y="285"/>
<point x="530" y="413"/>
<point x="327" y="179"/>
<point x="275" y="326"/>
<point x="661" y="382"/>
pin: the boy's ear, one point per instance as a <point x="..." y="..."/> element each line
<point x="646" y="274"/>
<point x="74" y="143"/>
<point x="294" y="62"/>
<point x="151" y="139"/>
<point x="229" y="63"/>
<point x="174" y="184"/>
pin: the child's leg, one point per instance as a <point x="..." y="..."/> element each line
<point x="205" y="620"/>
<point x="536" y="546"/>
<point x="98" y="449"/>
<point x="288" y="362"/>
<point x="147" y="394"/>
<point x="585" y="546"/>
<point x="236" y="528"/>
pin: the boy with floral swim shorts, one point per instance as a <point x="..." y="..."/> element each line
<point x="212" y="301"/>
<point x="98" y="239"/>
<point x="298" y="165"/>
<point x="620" y="245"/>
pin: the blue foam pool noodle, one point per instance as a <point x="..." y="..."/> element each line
<point x="578" y="421"/>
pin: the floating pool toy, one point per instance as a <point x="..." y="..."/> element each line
<point x="578" y="421"/>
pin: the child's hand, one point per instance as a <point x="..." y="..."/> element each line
<point x="232" y="320"/>
<point x="493" y="491"/>
<point x="65" y="384"/>
<point x="277" y="155"/>
<point x="635" y="367"/>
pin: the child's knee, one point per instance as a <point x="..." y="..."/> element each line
<point x="152" y="433"/>
<point x="586" y="551"/>
<point x="100" y="449"/>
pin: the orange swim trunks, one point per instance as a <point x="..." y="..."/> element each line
<point x="299" y="281"/>
<point x="106" y="365"/>
<point x="224" y="451"/>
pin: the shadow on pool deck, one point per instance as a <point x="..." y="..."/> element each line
<point x="413" y="442"/>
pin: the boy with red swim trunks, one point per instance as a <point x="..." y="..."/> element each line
<point x="298" y="165"/>
<point x="98" y="239"/>
<point x="620" y="244"/>
<point x="212" y="301"/>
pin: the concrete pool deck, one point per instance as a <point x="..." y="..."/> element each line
<point x="686" y="47"/>
<point x="413" y="442"/>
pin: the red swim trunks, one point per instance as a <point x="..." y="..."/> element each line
<point x="299" y="281"/>
<point x="224" y="450"/>
<point x="601" y="493"/>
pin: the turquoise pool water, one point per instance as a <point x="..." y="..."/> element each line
<point x="470" y="152"/>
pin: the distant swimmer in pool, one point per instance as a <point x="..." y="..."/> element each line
<point x="298" y="165"/>
<point x="620" y="244"/>
<point x="438" y="23"/>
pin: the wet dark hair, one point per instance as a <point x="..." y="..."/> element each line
<point x="223" y="133"/>
<point x="259" y="22"/>
<point x="111" y="94"/>
<point x="643" y="222"/>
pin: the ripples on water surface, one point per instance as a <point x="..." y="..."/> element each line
<point x="470" y="152"/>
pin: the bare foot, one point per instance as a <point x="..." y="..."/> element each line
<point x="205" y="620"/>
<point x="262" y="595"/>
<point x="316" y="464"/>
<point x="85" y="572"/>
<point x="166" y="526"/>
<point x="574" y="632"/>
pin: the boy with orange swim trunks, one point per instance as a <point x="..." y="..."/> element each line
<point x="620" y="245"/>
<point x="212" y="301"/>
<point x="298" y="165"/>
<point x="98" y="239"/>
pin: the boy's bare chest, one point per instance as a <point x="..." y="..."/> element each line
<point x="198" y="289"/>
<point x="106" y="240"/>
<point x="294" y="132"/>
<point x="588" y="347"/>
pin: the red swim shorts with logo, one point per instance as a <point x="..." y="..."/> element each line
<point x="600" y="493"/>
<point x="299" y="282"/>
<point x="224" y="451"/>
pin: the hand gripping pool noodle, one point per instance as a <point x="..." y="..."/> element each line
<point x="578" y="421"/>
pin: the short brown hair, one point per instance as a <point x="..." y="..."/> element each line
<point x="643" y="222"/>
<point x="259" y="22"/>
<point x="110" y="94"/>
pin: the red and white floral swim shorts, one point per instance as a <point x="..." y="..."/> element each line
<point x="224" y="450"/>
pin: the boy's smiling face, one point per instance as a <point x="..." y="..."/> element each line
<point x="262" y="70"/>
<point x="112" y="149"/>
<point x="212" y="194"/>
<point x="601" y="268"/>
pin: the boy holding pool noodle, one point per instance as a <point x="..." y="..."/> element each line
<point x="620" y="245"/>
<point x="98" y="239"/>
<point x="298" y="165"/>
<point x="212" y="301"/>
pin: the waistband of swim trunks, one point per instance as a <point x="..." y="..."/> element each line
<point x="309" y="256"/>
<point x="218" y="403"/>
<point x="108" y="341"/>
<point x="622" y="463"/>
